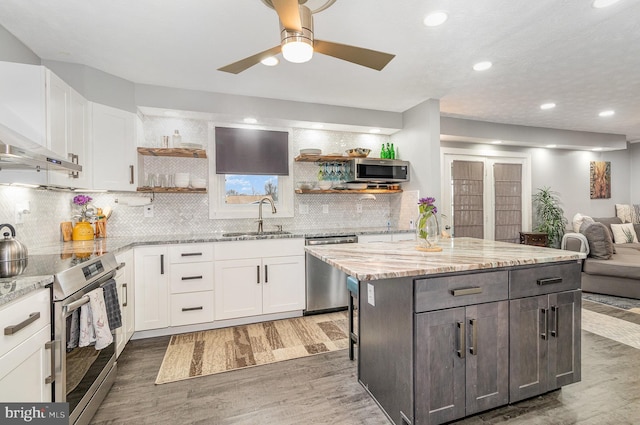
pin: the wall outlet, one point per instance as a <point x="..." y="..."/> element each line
<point x="359" y="208"/>
<point x="303" y="208"/>
<point x="21" y="209"/>
<point x="148" y="211"/>
<point x="371" y="294"/>
<point x="325" y="209"/>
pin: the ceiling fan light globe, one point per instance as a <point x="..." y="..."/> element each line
<point x="297" y="51"/>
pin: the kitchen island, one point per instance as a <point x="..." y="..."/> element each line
<point x="444" y="335"/>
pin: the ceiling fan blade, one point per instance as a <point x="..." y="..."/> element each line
<point x="358" y="55"/>
<point x="246" y="63"/>
<point x="289" y="14"/>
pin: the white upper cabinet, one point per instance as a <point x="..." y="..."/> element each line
<point x="22" y="100"/>
<point x="58" y="93"/>
<point x="114" y="148"/>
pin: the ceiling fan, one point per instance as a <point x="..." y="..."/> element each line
<point x="298" y="44"/>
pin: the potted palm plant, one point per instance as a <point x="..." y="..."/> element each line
<point x="549" y="216"/>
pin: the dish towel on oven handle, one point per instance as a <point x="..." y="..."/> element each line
<point x="112" y="304"/>
<point x="94" y="325"/>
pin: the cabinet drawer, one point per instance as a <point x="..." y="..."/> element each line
<point x="539" y="280"/>
<point x="234" y="250"/>
<point x="190" y="253"/>
<point x="191" y="277"/>
<point x="458" y="290"/>
<point x="23" y="318"/>
<point x="192" y="308"/>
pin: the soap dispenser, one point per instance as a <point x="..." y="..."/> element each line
<point x="176" y="139"/>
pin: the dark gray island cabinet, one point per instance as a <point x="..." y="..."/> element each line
<point x="436" y="346"/>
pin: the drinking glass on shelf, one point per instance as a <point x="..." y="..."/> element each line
<point x="150" y="180"/>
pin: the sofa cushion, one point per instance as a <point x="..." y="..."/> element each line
<point x="599" y="238"/>
<point x="608" y="221"/>
<point x="624" y="233"/>
<point x="577" y="221"/>
<point x="624" y="264"/>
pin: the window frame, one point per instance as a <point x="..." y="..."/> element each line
<point x="219" y="209"/>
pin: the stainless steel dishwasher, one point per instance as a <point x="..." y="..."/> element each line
<point x="326" y="285"/>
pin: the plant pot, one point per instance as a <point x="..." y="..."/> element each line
<point x="82" y="231"/>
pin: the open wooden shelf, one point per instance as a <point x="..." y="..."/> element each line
<point x="175" y="152"/>
<point x="325" y="158"/>
<point x="372" y="191"/>
<point x="171" y="190"/>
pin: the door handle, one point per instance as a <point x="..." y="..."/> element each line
<point x="554" y="330"/>
<point x="266" y="274"/>
<point x="461" y="340"/>
<point x="474" y="337"/>
<point x="549" y="280"/>
<point x="192" y="308"/>
<point x="191" y="277"/>
<point x="543" y="334"/>
<point x="258" y="276"/>
<point x="161" y="263"/>
<point x="50" y="345"/>
<point x="190" y="254"/>
<point x="131" y="179"/>
<point x="126" y="295"/>
<point x="466" y="291"/>
<point x="14" y="329"/>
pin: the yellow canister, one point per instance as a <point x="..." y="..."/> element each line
<point x="82" y="231"/>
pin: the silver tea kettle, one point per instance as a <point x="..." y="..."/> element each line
<point x="13" y="254"/>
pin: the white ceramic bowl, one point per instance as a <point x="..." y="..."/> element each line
<point x="182" y="183"/>
<point x="324" y="185"/>
<point x="199" y="183"/>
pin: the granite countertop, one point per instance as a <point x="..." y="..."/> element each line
<point x="384" y="260"/>
<point x="45" y="259"/>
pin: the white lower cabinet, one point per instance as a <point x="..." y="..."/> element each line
<point x="247" y="283"/>
<point x="124" y="280"/>
<point x="25" y="352"/>
<point x="151" y="287"/>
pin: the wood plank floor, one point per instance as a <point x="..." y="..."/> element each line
<point x="323" y="390"/>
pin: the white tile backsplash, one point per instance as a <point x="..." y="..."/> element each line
<point x="187" y="213"/>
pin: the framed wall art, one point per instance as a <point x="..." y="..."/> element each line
<point x="600" y="179"/>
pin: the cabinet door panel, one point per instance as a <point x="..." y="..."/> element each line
<point x="57" y="113"/>
<point x="487" y="378"/>
<point x="283" y="288"/>
<point x="238" y="288"/>
<point x="152" y="292"/>
<point x="564" y="338"/>
<point x="439" y="371"/>
<point x="528" y="319"/>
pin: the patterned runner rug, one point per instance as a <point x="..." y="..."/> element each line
<point x="219" y="350"/>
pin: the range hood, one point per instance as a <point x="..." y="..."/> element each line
<point x="18" y="152"/>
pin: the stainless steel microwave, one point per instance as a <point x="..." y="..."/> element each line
<point x="376" y="170"/>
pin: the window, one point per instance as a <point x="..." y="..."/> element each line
<point x="247" y="165"/>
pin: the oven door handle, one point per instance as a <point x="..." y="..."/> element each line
<point x="75" y="305"/>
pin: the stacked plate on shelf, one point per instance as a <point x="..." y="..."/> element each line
<point x="310" y="151"/>
<point x="191" y="145"/>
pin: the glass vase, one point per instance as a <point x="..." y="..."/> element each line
<point x="427" y="230"/>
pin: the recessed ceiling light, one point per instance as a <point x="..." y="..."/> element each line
<point x="607" y="113"/>
<point x="551" y="146"/>
<point x="270" y="61"/>
<point x="317" y="126"/>
<point x="482" y="66"/>
<point x="250" y="120"/>
<point x="496" y="142"/>
<point x="599" y="4"/>
<point x="547" y="106"/>
<point x="374" y="130"/>
<point x="597" y="149"/>
<point x="436" y="18"/>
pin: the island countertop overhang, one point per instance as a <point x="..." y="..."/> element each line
<point x="385" y="260"/>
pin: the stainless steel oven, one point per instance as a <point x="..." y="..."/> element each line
<point x="83" y="375"/>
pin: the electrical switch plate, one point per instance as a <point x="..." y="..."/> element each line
<point x="358" y="208"/>
<point x="325" y="209"/>
<point x="303" y="208"/>
<point x="22" y="208"/>
<point x="371" y="296"/>
<point x="148" y="211"/>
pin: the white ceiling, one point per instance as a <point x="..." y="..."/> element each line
<point x="583" y="59"/>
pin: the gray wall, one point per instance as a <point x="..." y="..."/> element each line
<point x="567" y="172"/>
<point x="13" y="50"/>
<point x="634" y="155"/>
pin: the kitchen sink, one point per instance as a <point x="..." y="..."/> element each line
<point x="236" y="234"/>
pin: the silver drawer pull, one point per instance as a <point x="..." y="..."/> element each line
<point x="461" y="340"/>
<point x="191" y="254"/>
<point x="13" y="329"/>
<point x="466" y="291"/>
<point x="51" y="345"/>
<point x="192" y="277"/>
<point x="192" y="308"/>
<point x="549" y="280"/>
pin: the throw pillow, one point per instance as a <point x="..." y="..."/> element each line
<point x="577" y="221"/>
<point x="636" y="214"/>
<point x="623" y="211"/>
<point x="624" y="233"/>
<point x="599" y="238"/>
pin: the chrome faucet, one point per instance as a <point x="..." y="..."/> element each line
<point x="273" y="211"/>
